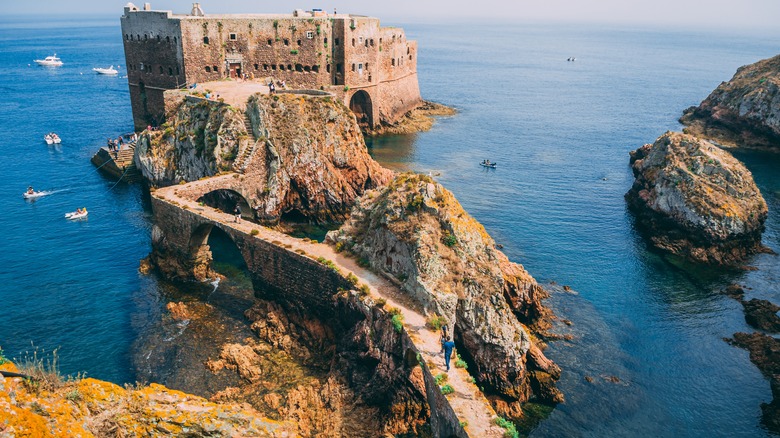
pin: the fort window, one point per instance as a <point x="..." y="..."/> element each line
<point x="273" y="67"/>
<point x="410" y="57"/>
<point x="174" y="40"/>
<point x="372" y="42"/>
<point x="369" y="78"/>
<point x="353" y="67"/>
<point x="170" y="71"/>
<point x="138" y="37"/>
<point x="141" y="66"/>
<point x="361" y="40"/>
<point x="208" y="69"/>
<point x="205" y="40"/>
<point x="167" y="39"/>
<point x="232" y="37"/>
<point x="336" y="41"/>
<point x="315" y="68"/>
<point x="408" y="51"/>
<point x="161" y="70"/>
<point x="380" y="41"/>
<point x="327" y="68"/>
<point x="281" y="67"/>
<point x="366" y="42"/>
<point x="257" y="66"/>
<point x="298" y="67"/>
<point x="146" y="37"/>
<point x="158" y="38"/>
<point x="177" y="69"/>
<point x="366" y="66"/>
<point x="126" y="37"/>
<point x="286" y="42"/>
<point x="307" y="69"/>
<point x="309" y="34"/>
<point x="325" y="40"/>
<point x="270" y="41"/>
<point x="338" y="68"/>
<point x="289" y="66"/>
<point x="353" y="42"/>
<point x="131" y="38"/>
<point x="360" y="68"/>
<point x="392" y="62"/>
<point x="265" y="67"/>
<point x="214" y="67"/>
<point x="299" y="42"/>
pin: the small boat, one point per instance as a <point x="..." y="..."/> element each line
<point x="487" y="163"/>
<point x="78" y="214"/>
<point x="34" y="195"/>
<point x="49" y="61"/>
<point x="52" y="138"/>
<point x="105" y="71"/>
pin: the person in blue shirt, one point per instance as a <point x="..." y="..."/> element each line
<point x="448" y="347"/>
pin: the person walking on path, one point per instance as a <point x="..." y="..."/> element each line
<point x="444" y="337"/>
<point x="237" y="212"/>
<point x="448" y="347"/>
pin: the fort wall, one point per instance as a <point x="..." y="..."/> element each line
<point x="314" y="51"/>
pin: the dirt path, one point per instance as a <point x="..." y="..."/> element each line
<point x="469" y="403"/>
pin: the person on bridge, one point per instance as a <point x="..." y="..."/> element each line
<point x="237" y="212"/>
<point x="448" y="347"/>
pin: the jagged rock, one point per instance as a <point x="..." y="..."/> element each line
<point x="695" y="200"/>
<point x="89" y="407"/>
<point x="417" y="120"/>
<point x="416" y="231"/>
<point x="765" y="354"/>
<point x="314" y="160"/>
<point x="744" y="111"/>
<point x="200" y="139"/>
<point x="178" y="311"/>
<point x="762" y="314"/>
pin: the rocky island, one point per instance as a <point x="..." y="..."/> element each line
<point x="745" y="111"/>
<point x="695" y="200"/>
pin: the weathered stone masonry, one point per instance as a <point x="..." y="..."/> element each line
<point x="300" y="283"/>
<point x="371" y="68"/>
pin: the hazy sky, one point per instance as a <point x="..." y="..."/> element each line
<point x="695" y="13"/>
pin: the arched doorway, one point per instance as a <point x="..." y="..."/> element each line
<point x="227" y="200"/>
<point x="360" y="104"/>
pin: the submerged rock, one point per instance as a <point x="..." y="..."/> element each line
<point x="416" y="231"/>
<point x="765" y="354"/>
<point x="695" y="200"/>
<point x="744" y="111"/>
<point x="762" y="315"/>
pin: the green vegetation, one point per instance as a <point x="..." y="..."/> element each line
<point x="346" y="87"/>
<point x="415" y="202"/>
<point x="328" y="263"/>
<point x="440" y="378"/>
<point x="510" y="431"/>
<point x="74" y="396"/>
<point x="448" y="389"/>
<point x="460" y="363"/>
<point x="381" y="302"/>
<point x="364" y="289"/>
<point x="449" y="240"/>
<point x="363" y="262"/>
<point x="339" y="246"/>
<point x="435" y="322"/>
<point x="398" y="322"/>
<point x="3" y="359"/>
<point x="352" y="278"/>
<point x="464" y="424"/>
<point x="294" y="52"/>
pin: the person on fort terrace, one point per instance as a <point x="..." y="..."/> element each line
<point x="237" y="212"/>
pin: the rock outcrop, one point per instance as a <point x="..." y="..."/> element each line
<point x="200" y="139"/>
<point x="89" y="407"/>
<point x="744" y="111"/>
<point x="695" y="200"/>
<point x="417" y="120"/>
<point x="765" y="354"/>
<point x="312" y="161"/>
<point x="417" y="232"/>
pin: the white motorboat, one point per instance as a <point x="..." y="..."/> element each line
<point x="105" y="71"/>
<point x="52" y="138"/>
<point x="49" y="61"/>
<point x="78" y="214"/>
<point x="488" y="164"/>
<point x="34" y="195"/>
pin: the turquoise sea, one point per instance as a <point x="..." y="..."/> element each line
<point x="560" y="131"/>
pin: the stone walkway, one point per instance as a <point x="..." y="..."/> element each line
<point x="233" y="91"/>
<point x="469" y="403"/>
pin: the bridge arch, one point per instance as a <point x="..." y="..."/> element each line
<point x="227" y="200"/>
<point x="361" y="105"/>
<point x="210" y="244"/>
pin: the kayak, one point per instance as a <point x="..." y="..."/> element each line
<point x="491" y="165"/>
<point x="76" y="215"/>
<point x="34" y="195"/>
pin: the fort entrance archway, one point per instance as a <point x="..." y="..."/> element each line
<point x="227" y="200"/>
<point x="360" y="104"/>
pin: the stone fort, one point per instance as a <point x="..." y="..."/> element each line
<point x="372" y="69"/>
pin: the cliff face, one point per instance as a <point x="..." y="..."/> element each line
<point x="313" y="159"/>
<point x="416" y="231"/>
<point x="200" y="138"/>
<point x="696" y="200"/>
<point x="90" y="407"/>
<point x="744" y="111"/>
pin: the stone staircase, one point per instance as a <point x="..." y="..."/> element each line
<point x="118" y="164"/>
<point x="242" y="161"/>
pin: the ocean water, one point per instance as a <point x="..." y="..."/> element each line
<point x="560" y="131"/>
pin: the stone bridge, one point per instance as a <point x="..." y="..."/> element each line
<point x="291" y="271"/>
